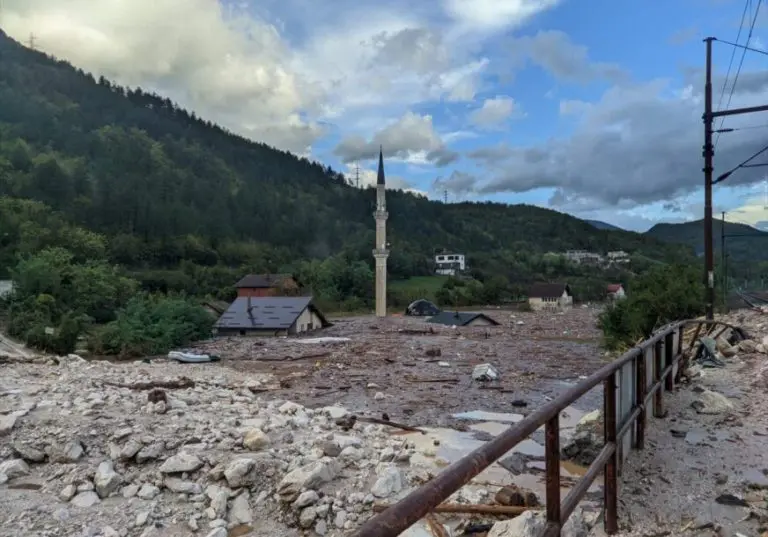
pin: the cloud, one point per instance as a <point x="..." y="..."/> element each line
<point x="410" y="137"/>
<point x="459" y="183"/>
<point x="494" y="111"/>
<point x="494" y="15"/>
<point x="556" y="53"/>
<point x="637" y="144"/>
<point x="365" y="177"/>
<point x="284" y="72"/>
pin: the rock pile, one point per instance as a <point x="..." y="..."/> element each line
<point x="85" y="449"/>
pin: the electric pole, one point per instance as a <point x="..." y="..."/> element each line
<point x="445" y="196"/>
<point x="709" y="152"/>
<point x="722" y="261"/>
<point x="32" y="41"/>
<point x="357" y="174"/>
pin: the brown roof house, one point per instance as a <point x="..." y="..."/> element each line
<point x="550" y="296"/>
<point x="616" y="291"/>
<point x="256" y="285"/>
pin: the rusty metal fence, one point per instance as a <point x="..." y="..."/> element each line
<point x="630" y="384"/>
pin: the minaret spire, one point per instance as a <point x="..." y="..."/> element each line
<point x="380" y="175"/>
<point x="381" y="252"/>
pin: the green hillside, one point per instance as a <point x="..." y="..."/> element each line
<point x="742" y="243"/>
<point x="183" y="204"/>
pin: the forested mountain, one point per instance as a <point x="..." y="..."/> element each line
<point x="743" y="243"/>
<point x="603" y="225"/>
<point x="182" y="201"/>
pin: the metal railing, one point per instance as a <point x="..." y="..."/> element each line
<point x="630" y="383"/>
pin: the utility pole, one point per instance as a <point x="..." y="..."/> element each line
<point x="32" y="41"/>
<point x="445" y="196"/>
<point x="357" y="174"/>
<point x="709" y="152"/>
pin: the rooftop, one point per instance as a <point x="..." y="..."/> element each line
<point x="265" y="313"/>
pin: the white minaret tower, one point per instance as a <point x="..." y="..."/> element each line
<point x="381" y="253"/>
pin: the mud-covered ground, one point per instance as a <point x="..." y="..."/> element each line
<point x="706" y="473"/>
<point x="421" y="373"/>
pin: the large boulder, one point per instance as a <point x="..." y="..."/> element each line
<point x="587" y="440"/>
<point x="532" y="523"/>
<point x="710" y="402"/>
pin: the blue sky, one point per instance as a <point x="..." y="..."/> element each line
<point x="591" y="108"/>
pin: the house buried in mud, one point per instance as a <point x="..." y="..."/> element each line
<point x="270" y="316"/>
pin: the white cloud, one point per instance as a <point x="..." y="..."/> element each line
<point x="411" y="138"/>
<point x="365" y="177"/>
<point x="494" y="111"/>
<point x="494" y="15"/>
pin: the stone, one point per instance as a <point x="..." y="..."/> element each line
<point x="336" y="412"/>
<point x="28" y="453"/>
<point x="130" y="449"/>
<point x="69" y="452"/>
<point x="321" y="528"/>
<point x="240" y="512"/>
<point x="307" y="517"/>
<point x="12" y="469"/>
<point x="250" y="470"/>
<point x="142" y="518"/>
<point x="148" y="491"/>
<point x="218" y="532"/>
<point x="329" y="448"/>
<point x="181" y="462"/>
<point x="130" y="491"/>
<point x="109" y="531"/>
<point x="532" y="524"/>
<point x="306" y="498"/>
<point x="255" y="440"/>
<point x="175" y="484"/>
<point x="7" y="423"/>
<point x="516" y="496"/>
<point x="85" y="499"/>
<point x="390" y="481"/>
<point x="289" y="407"/>
<point x="106" y="480"/>
<point x="309" y="476"/>
<point x="218" y="496"/>
<point x="150" y="452"/>
<point x="340" y="519"/>
<point x="709" y="402"/>
<point x="67" y="493"/>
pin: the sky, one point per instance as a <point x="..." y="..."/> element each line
<point x="587" y="107"/>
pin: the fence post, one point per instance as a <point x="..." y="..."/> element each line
<point x="552" y="450"/>
<point x="669" y="358"/>
<point x="682" y="364"/>
<point x="658" y="396"/>
<point x="640" y="384"/>
<point x="610" y="488"/>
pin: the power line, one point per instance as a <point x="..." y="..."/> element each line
<point x="733" y="55"/>
<point x="741" y="63"/>
<point x="751" y="49"/>
<point x="744" y="164"/>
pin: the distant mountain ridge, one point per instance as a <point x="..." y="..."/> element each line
<point x="604" y="225"/>
<point x="742" y="242"/>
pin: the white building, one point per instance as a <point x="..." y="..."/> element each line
<point x="619" y="256"/>
<point x="6" y="288"/>
<point x="582" y="256"/>
<point x="450" y="264"/>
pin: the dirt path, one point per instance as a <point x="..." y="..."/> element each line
<point x="676" y="486"/>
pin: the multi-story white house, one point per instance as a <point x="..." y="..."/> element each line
<point x="450" y="264"/>
<point x="582" y="256"/>
<point x="619" y="256"/>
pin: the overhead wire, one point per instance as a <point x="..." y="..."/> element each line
<point x="741" y="62"/>
<point x="742" y="165"/>
<point x="730" y="63"/>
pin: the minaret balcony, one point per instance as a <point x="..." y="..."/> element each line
<point x="380" y="253"/>
<point x="380" y="214"/>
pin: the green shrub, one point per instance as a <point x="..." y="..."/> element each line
<point x="150" y="325"/>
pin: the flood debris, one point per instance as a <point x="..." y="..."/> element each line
<point x="485" y="373"/>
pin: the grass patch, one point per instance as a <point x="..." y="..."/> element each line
<point x="417" y="287"/>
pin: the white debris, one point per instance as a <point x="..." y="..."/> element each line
<point x="485" y="373"/>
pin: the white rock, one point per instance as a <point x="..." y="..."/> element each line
<point x="106" y="480"/>
<point x="12" y="469"/>
<point x="67" y="493"/>
<point x="709" y="402"/>
<point x="130" y="449"/>
<point x="85" y="499"/>
<point x="306" y="498"/>
<point x="142" y="518"/>
<point x="181" y="462"/>
<point x="150" y="452"/>
<point x="109" y="531"/>
<point x="321" y="528"/>
<point x="69" y="452"/>
<point x="340" y="519"/>
<point x="351" y="453"/>
<point x="309" y="476"/>
<point x="218" y="496"/>
<point x="7" y="423"/>
<point x="389" y="482"/>
<point x="336" y="412"/>
<point x="28" y="453"/>
<point x="218" y="532"/>
<point x="148" y="491"/>
<point x="532" y="523"/>
<point x="240" y="512"/>
<point x="289" y="407"/>
<point x="130" y="491"/>
<point x="378" y="396"/>
<point x="307" y="517"/>
<point x="255" y="440"/>
<point x="175" y="484"/>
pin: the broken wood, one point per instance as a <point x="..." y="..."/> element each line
<point x="180" y="384"/>
<point x="402" y="426"/>
<point x="310" y="356"/>
<point x="416" y="331"/>
<point x="470" y="509"/>
<point x="437" y="529"/>
<point x="411" y="378"/>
